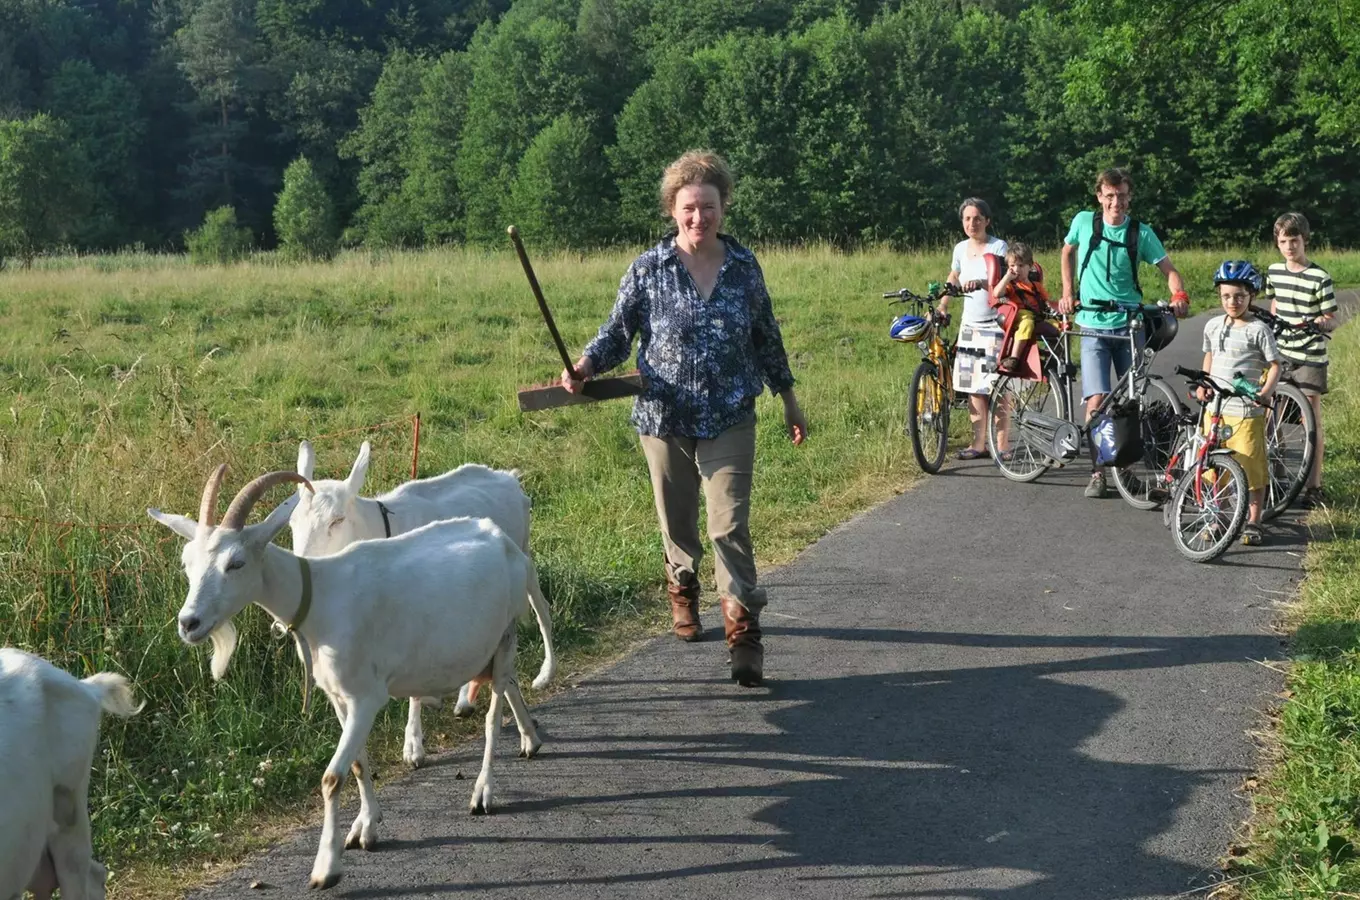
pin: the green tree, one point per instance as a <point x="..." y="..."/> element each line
<point x="220" y="56"/>
<point x="525" y="74"/>
<point x="430" y="191"/>
<point x="44" y="182"/>
<point x="304" y="218"/>
<point x="219" y="240"/>
<point x="380" y="145"/>
<point x="102" y="112"/>
<point x="664" y="118"/>
<point x="559" y="193"/>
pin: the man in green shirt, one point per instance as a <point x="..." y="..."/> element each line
<point x="1109" y="252"/>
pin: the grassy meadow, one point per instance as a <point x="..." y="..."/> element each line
<point x="128" y="378"/>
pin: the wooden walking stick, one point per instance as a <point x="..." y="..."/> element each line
<point x="547" y="396"/>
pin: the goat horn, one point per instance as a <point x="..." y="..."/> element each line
<point x="208" y="505"/>
<point x="250" y="494"/>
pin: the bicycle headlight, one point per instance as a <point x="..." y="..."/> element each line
<point x="1225" y="432"/>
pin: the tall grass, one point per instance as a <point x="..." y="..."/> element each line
<point x="1305" y="836"/>
<point x="128" y="380"/>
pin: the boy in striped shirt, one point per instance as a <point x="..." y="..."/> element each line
<point x="1300" y="291"/>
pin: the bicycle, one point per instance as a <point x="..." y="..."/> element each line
<point x="1291" y="428"/>
<point x="1041" y="430"/>
<point x="931" y="394"/>
<point x="1211" y="499"/>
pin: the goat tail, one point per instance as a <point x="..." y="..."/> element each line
<point x="544" y="616"/>
<point x="113" y="693"/>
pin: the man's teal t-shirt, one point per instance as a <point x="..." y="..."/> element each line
<point x="1108" y="276"/>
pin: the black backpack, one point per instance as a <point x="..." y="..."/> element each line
<point x="1131" y="234"/>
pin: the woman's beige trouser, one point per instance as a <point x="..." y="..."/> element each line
<point x="722" y="466"/>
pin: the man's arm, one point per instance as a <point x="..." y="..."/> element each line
<point x="1069" y="257"/>
<point x="1180" y="300"/>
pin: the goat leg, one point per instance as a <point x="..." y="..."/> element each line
<point x="358" y="714"/>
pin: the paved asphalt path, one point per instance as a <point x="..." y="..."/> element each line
<point x="947" y="715"/>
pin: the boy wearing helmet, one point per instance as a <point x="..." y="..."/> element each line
<point x="1239" y="343"/>
<point x="1300" y="291"/>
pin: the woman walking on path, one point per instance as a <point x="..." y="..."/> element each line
<point x="970" y="270"/>
<point x="708" y="344"/>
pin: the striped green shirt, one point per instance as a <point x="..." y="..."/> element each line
<point x="1298" y="296"/>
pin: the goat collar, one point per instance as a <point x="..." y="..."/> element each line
<point x="387" y="526"/>
<point x="304" y="651"/>
<point x="305" y="605"/>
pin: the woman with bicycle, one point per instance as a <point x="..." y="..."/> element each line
<point x="971" y="270"/>
<point x="1241" y="346"/>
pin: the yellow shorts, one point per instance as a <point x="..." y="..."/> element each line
<point x="1248" y="444"/>
<point x="1024" y="325"/>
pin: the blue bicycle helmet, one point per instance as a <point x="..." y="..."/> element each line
<point x="909" y="329"/>
<point x="1239" y="271"/>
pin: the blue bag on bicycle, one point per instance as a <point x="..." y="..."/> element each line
<point x="1116" y="436"/>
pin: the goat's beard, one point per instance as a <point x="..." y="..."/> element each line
<point x="223" y="639"/>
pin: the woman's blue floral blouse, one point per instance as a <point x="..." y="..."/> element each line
<point x="706" y="361"/>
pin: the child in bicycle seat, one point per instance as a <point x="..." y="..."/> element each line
<point x="1021" y="290"/>
<point x="1238" y="343"/>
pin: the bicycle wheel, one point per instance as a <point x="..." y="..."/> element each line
<point x="1205" y="522"/>
<point x="1159" y="414"/>
<point x="928" y="417"/>
<point x="1291" y="441"/>
<point x="1016" y="439"/>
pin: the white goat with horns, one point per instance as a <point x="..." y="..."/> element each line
<point x="50" y="731"/>
<point x="333" y="516"/>
<point x="411" y="616"/>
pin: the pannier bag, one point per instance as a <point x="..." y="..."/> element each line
<point x="1116" y="436"/>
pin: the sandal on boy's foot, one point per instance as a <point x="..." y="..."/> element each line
<point x="1252" y="535"/>
<point x="970" y="453"/>
<point x="1008" y="365"/>
<point x="1004" y="456"/>
<point x="1095" y="488"/>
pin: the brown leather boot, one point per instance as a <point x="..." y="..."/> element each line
<point x="743" y="643"/>
<point x="685" y="611"/>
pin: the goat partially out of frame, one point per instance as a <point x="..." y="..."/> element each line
<point x="333" y="515"/>
<point x="51" y="730"/>
<point x="410" y="616"/>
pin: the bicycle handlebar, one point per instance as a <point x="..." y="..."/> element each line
<point x="1201" y="378"/>
<point x="1278" y="324"/>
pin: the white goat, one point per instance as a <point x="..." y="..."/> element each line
<point x="335" y="516"/>
<point x="51" y="730"/>
<point x="415" y="615"/>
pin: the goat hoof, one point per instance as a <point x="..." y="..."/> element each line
<point x="463" y="710"/>
<point x="329" y="881"/>
<point x="530" y="749"/>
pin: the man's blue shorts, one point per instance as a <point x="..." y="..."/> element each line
<point x="1098" y="353"/>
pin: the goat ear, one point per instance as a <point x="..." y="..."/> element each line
<point x="269" y="529"/>
<point x="183" y="526"/>
<point x="306" y="462"/>
<point x="355" y="482"/>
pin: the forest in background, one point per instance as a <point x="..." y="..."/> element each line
<point x="125" y="122"/>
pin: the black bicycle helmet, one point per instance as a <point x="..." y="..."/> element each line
<point x="1161" y="325"/>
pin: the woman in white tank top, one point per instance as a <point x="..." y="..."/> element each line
<point x="969" y="270"/>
